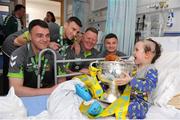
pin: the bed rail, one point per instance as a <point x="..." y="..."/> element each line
<point x="63" y="61"/>
<point x="39" y="65"/>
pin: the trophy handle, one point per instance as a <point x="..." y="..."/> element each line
<point x="91" y="64"/>
<point x="92" y="69"/>
<point x="103" y="79"/>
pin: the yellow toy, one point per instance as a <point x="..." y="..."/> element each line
<point x="92" y="83"/>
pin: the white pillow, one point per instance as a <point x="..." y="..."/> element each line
<point x="169" y="44"/>
<point x="168" y="66"/>
<point x="12" y="107"/>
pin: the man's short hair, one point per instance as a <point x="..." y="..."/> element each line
<point x="37" y="22"/>
<point x="18" y="7"/>
<point x="110" y="35"/>
<point x="76" y="20"/>
<point x="92" y="29"/>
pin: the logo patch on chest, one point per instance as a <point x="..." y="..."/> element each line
<point x="30" y="68"/>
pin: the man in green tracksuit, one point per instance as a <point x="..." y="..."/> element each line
<point x="23" y="67"/>
<point x="87" y="50"/>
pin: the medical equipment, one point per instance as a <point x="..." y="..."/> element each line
<point x="170" y="19"/>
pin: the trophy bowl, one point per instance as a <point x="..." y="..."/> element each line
<point x="109" y="72"/>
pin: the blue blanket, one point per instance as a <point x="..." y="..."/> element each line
<point x="35" y="104"/>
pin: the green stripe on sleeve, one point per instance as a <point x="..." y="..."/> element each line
<point x="15" y="75"/>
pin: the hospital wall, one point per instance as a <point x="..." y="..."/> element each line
<point x="152" y="8"/>
<point x="97" y="13"/>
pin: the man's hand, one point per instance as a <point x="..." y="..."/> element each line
<point x="76" y="47"/>
<point x="61" y="80"/>
<point x="20" y="40"/>
<point x="84" y="70"/>
<point x="54" y="45"/>
<point x="123" y="80"/>
<point x="53" y="88"/>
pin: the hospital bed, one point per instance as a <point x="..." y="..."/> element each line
<point x="63" y="103"/>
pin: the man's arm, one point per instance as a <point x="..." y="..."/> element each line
<point x="22" y="39"/>
<point x="19" y="41"/>
<point x="21" y="90"/>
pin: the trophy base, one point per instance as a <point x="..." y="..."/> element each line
<point x="109" y="97"/>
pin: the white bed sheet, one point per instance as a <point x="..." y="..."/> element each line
<point x="63" y="103"/>
<point x="72" y="101"/>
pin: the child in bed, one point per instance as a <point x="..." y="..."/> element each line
<point x="146" y="52"/>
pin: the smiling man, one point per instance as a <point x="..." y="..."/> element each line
<point x="111" y="46"/>
<point x="87" y="45"/>
<point x="23" y="69"/>
<point x="67" y="34"/>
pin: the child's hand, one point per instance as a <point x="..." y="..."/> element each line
<point x="124" y="80"/>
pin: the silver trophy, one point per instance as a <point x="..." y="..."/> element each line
<point x="109" y="72"/>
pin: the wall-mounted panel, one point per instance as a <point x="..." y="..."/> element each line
<point x="98" y="4"/>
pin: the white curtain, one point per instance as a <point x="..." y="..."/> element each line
<point x="121" y="16"/>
